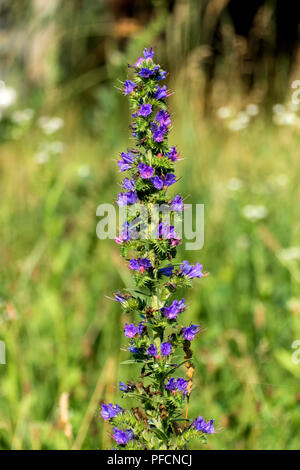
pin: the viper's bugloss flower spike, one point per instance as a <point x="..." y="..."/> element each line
<point x="156" y="340"/>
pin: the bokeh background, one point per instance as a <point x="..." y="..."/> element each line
<point x="63" y="122"/>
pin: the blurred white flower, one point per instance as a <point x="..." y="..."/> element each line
<point x="255" y="213"/>
<point x="240" y="122"/>
<point x="224" y="112"/>
<point x="290" y="254"/>
<point x="22" y="116"/>
<point x="252" y="109"/>
<point x="84" y="171"/>
<point x="286" y="118"/>
<point x="278" y="108"/>
<point x="50" y="125"/>
<point x="235" y="184"/>
<point x="8" y="96"/>
<point x="41" y="157"/>
<point x="56" y="147"/>
<point x="282" y="180"/>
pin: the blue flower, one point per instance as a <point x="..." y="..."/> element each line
<point x="130" y="330"/>
<point x="176" y="307"/>
<point x="159" y="133"/>
<point x="110" y="411"/>
<point x="200" y="425"/>
<point x="161" y="93"/>
<point x="167" y="271"/>
<point x="181" y="384"/>
<point x="129" y="86"/>
<point x="148" y="54"/>
<point x="177" y="384"/>
<point x="191" y="271"/>
<point x="177" y="204"/>
<point x="157" y="182"/>
<point x="129" y="184"/>
<point x="125" y="199"/>
<point x="169" y="179"/>
<point x="163" y="118"/>
<point x="145" y="72"/>
<point x="171" y="384"/>
<point x="127" y="161"/>
<point x="146" y="171"/>
<point x="122" y="437"/>
<point x="123" y="387"/>
<point x="190" y="332"/>
<point x="119" y="298"/>
<point x="145" y="110"/>
<point x="140" y="264"/>
<point x="152" y="350"/>
<point x="166" y="349"/>
<point x="172" y="155"/>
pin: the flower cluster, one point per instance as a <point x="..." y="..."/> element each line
<point x="159" y="342"/>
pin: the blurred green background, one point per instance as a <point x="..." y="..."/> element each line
<point x="63" y="122"/>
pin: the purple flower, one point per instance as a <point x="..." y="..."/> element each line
<point x="167" y="271"/>
<point x="145" y="263"/>
<point x="123" y="387"/>
<point x="163" y="181"/>
<point x="157" y="182"/>
<point x="134" y="264"/>
<point x="110" y="411"/>
<point x="166" y="349"/>
<point x="190" y="332"/>
<point x="146" y="171"/>
<point x="119" y="298"/>
<point x="181" y="384"/>
<point x="176" y="307"/>
<point x="125" y="199"/>
<point x="139" y="61"/>
<point x="166" y="231"/>
<point x="140" y="264"/>
<point x="162" y="74"/>
<point x="129" y="86"/>
<point x="200" y="425"/>
<point x="161" y="93"/>
<point x="145" y="72"/>
<point x="177" y="204"/>
<point x="123" y="437"/>
<point x="172" y="155"/>
<point x="140" y="328"/>
<point x="127" y="233"/>
<point x="129" y="184"/>
<point x="159" y="133"/>
<point x="148" y="54"/>
<point x="177" y="384"/>
<point x="163" y="118"/>
<point x="191" y="271"/>
<point x="127" y="161"/>
<point x="145" y="110"/>
<point x="130" y="330"/>
<point x="169" y="179"/>
<point x="171" y="385"/>
<point x="152" y="350"/>
<point x="134" y="350"/>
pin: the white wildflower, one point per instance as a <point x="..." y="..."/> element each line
<point x="255" y="213"/>
<point x="50" y="125"/>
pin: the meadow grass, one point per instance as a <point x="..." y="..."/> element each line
<point x="63" y="335"/>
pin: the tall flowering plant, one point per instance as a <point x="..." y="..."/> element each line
<point x="158" y="340"/>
